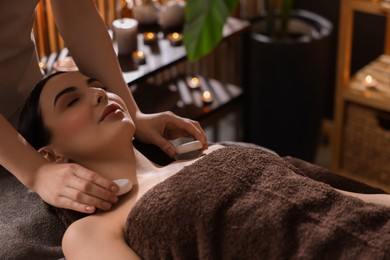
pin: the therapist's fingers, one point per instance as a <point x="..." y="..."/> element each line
<point x="186" y="127"/>
<point x="175" y="127"/>
<point x="73" y="205"/>
<point x="93" y="183"/>
<point x="83" y="202"/>
<point x="71" y="186"/>
<point x="92" y="189"/>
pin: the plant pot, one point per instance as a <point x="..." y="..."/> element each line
<point x="287" y="83"/>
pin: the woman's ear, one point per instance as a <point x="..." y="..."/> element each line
<point x="52" y="156"/>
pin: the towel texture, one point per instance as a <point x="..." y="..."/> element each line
<point x="27" y="229"/>
<point x="245" y="203"/>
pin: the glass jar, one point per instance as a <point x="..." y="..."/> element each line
<point x="172" y="14"/>
<point x="146" y="12"/>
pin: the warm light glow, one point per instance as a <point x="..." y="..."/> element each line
<point x="149" y="35"/>
<point x="175" y="38"/>
<point x="207" y="98"/>
<point x="194" y="82"/>
<point x="42" y="65"/>
<point x="369" y="79"/>
<point x="139" y="57"/>
<point x="369" y="82"/>
<point x="207" y="95"/>
<point x="140" y="54"/>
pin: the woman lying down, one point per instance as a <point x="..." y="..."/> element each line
<point x="229" y="203"/>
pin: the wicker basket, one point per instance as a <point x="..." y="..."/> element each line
<point x="366" y="145"/>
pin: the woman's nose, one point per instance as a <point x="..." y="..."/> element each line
<point x="100" y="96"/>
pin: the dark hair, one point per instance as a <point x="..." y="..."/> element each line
<point x="31" y="125"/>
<point x="32" y="128"/>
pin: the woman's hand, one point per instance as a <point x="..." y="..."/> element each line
<point x="72" y="186"/>
<point x="159" y="128"/>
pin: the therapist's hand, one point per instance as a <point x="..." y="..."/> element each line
<point x="74" y="187"/>
<point x="159" y="128"/>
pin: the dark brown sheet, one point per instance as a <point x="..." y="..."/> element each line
<point x="244" y="203"/>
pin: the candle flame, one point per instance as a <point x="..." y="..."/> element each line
<point x="369" y="79"/>
<point x="140" y="54"/>
<point x="175" y="35"/>
<point x="207" y="95"/>
<point x="195" y="81"/>
<point x="150" y="35"/>
<point x="42" y="65"/>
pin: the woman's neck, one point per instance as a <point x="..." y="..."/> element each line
<point x="124" y="164"/>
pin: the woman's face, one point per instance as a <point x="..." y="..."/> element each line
<point x="83" y="118"/>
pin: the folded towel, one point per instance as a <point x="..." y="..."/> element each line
<point x="245" y="203"/>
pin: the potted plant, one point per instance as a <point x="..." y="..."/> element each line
<point x="287" y="70"/>
<point x="204" y="23"/>
<point x="205" y="20"/>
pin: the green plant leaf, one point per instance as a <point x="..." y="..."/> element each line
<point x="204" y="24"/>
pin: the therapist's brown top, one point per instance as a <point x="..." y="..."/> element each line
<point x="19" y="70"/>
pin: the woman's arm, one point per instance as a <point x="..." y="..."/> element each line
<point x="89" y="43"/>
<point x="66" y="186"/>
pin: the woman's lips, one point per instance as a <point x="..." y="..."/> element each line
<point x="109" y="110"/>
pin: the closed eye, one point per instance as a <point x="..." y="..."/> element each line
<point x="72" y="102"/>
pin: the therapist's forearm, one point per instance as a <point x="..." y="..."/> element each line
<point x="17" y="156"/>
<point x="89" y="43"/>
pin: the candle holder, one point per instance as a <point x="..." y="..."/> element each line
<point x="139" y="57"/>
<point x="194" y="83"/>
<point x="150" y="38"/>
<point x="175" y="38"/>
<point x="207" y="98"/>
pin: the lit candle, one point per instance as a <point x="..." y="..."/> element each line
<point x="369" y="82"/>
<point x="175" y="38"/>
<point x="207" y="98"/>
<point x="139" y="57"/>
<point x="150" y="38"/>
<point x="125" y="34"/>
<point x="42" y="66"/>
<point x="194" y="83"/>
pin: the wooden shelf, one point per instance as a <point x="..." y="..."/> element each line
<point x="350" y="90"/>
<point x="377" y="97"/>
<point x="177" y="96"/>
<point x="375" y="7"/>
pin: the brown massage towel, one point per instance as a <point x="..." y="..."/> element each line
<point x="245" y="203"/>
<point x="27" y="229"/>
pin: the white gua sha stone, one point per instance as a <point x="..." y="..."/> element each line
<point x="188" y="150"/>
<point x="125" y="186"/>
<point x="188" y="147"/>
